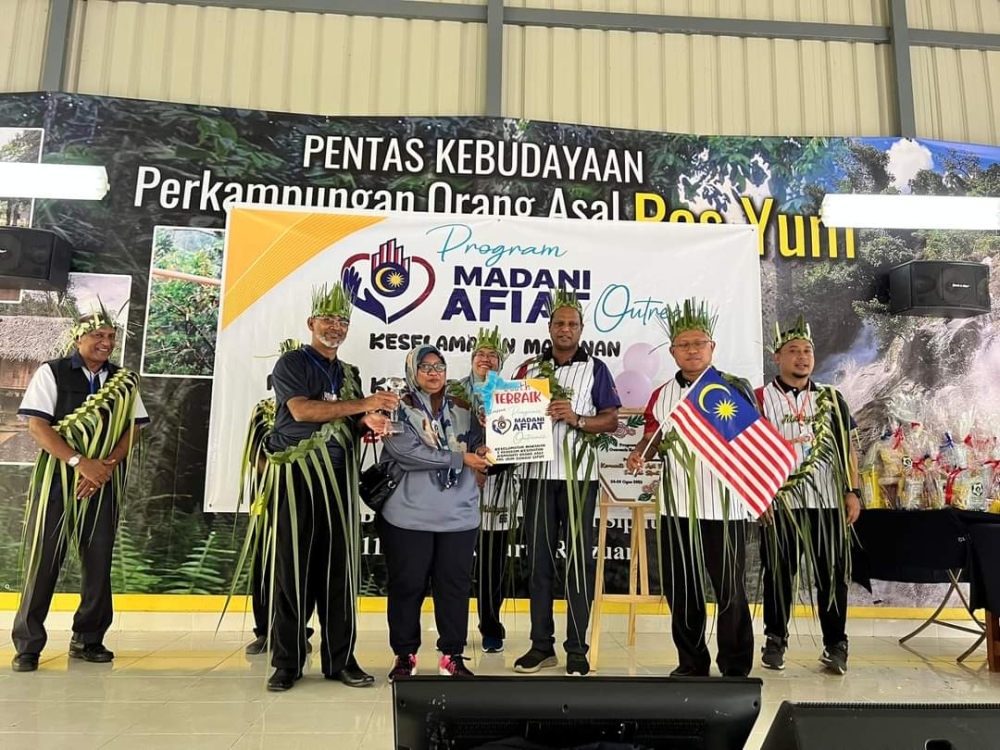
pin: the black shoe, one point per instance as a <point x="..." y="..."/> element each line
<point x="577" y="664"/>
<point x="688" y="672"/>
<point x="772" y="654"/>
<point x="403" y="666"/>
<point x="24" y="662"/>
<point x="353" y="676"/>
<point x="737" y="673"/>
<point x="834" y="657"/>
<point x="257" y="646"/>
<point x="95" y="653"/>
<point x="534" y="660"/>
<point x="282" y="680"/>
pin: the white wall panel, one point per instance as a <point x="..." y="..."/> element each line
<point x="698" y="84"/>
<point x="302" y="62"/>
<point x="23" y="25"/>
<point x="829" y="11"/>
<point x="954" y="15"/>
<point x="956" y="94"/>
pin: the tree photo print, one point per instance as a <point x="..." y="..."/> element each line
<point x="182" y="311"/>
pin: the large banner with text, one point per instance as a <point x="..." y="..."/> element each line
<point x="463" y="199"/>
<point x="428" y="278"/>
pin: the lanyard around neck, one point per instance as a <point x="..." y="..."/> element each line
<point x="325" y="370"/>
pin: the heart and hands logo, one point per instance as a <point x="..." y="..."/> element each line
<point x="390" y="278"/>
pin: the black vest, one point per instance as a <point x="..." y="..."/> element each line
<point x="72" y="386"/>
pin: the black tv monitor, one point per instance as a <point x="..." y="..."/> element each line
<point x="885" y="726"/>
<point x="658" y="713"/>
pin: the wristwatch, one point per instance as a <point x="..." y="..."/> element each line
<point x="581" y="422"/>
<point x="854" y="491"/>
<point x="74" y="461"/>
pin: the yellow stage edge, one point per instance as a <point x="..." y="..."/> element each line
<point x="185" y="603"/>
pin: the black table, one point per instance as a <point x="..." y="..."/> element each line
<point x="935" y="546"/>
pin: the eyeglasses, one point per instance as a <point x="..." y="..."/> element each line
<point x="334" y="321"/>
<point x="692" y="346"/>
<point x="486" y="355"/>
<point x="427" y="368"/>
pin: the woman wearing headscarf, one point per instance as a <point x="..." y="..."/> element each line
<point x="488" y="354"/>
<point x="430" y="523"/>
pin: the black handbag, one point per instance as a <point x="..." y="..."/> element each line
<point x="375" y="485"/>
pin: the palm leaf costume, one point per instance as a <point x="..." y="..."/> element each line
<point x="573" y="473"/>
<point x="93" y="430"/>
<point x="823" y="474"/>
<point x="498" y="497"/>
<point x="268" y="476"/>
<point x="701" y="532"/>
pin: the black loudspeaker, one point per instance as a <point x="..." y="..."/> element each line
<point x="940" y="288"/>
<point x="885" y="726"/>
<point x="33" y="259"/>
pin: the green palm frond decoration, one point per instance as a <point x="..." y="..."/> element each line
<point x="99" y="317"/>
<point x="560" y="298"/>
<point x="487" y="339"/>
<point x="783" y="334"/>
<point x="826" y="451"/>
<point x="266" y="475"/>
<point x="689" y="315"/>
<point x="332" y="302"/>
<point x="557" y="391"/>
<point x="92" y="430"/>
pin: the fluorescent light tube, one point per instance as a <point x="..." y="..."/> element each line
<point x="66" y="181"/>
<point x="910" y="212"/>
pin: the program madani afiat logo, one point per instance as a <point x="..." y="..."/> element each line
<point x="390" y="276"/>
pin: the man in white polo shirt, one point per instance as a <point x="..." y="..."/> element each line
<point x="559" y="506"/>
<point x="816" y="420"/>
<point x="701" y="534"/>
<point x="83" y="412"/>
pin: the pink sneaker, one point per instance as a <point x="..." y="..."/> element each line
<point x="453" y="666"/>
<point x="404" y="666"/>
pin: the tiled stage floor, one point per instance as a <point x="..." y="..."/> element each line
<point x="198" y="691"/>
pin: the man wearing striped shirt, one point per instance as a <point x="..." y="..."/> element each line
<point x="559" y="505"/>
<point x="701" y="534"/>
<point x="816" y="419"/>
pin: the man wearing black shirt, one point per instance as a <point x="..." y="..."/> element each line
<point x="319" y="406"/>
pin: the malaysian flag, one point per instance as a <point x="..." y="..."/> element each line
<point x="741" y="448"/>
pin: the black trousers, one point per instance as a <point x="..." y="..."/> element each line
<point x="684" y="586"/>
<point x="491" y="564"/>
<point x="413" y="557"/>
<point x="260" y="591"/>
<point x="325" y="576"/>
<point x="780" y="551"/>
<point x="260" y="595"/>
<point x="96" y="544"/>
<point x="546" y="524"/>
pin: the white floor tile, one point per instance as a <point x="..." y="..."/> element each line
<point x="198" y="690"/>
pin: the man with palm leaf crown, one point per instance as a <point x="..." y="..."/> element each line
<point x="702" y="524"/>
<point x="560" y="496"/>
<point x="84" y="413"/>
<point x="488" y="354"/>
<point x="311" y="477"/>
<point x="814" y="510"/>
<point x="254" y="462"/>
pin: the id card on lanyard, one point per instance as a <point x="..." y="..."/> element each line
<point x="334" y="379"/>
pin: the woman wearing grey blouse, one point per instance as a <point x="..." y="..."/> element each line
<point x="429" y="525"/>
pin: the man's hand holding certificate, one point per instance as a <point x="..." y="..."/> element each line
<point x="518" y="429"/>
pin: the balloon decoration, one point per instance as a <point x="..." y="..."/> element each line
<point x="642" y="358"/>
<point x="634" y="389"/>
